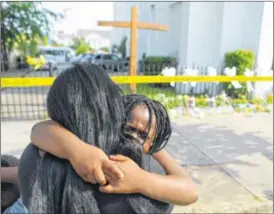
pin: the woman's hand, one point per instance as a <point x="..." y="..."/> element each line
<point x="130" y="183"/>
<point x="89" y="162"/>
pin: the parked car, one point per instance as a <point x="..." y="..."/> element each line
<point x="110" y="62"/>
<point x="87" y="57"/>
<point x="50" y="63"/>
<point x="78" y="58"/>
<point x="59" y="54"/>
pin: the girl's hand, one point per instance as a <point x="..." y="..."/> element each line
<point x="89" y="162"/>
<point x="130" y="183"/>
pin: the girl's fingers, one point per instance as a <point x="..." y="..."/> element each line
<point x="113" y="168"/>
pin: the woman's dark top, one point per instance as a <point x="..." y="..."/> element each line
<point x="107" y="203"/>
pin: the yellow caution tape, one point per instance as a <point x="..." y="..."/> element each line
<point x="47" y="81"/>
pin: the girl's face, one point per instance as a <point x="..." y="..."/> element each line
<point x="138" y="127"/>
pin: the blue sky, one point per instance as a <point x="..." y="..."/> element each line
<point x="81" y="15"/>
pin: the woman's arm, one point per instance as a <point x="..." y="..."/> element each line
<point x="87" y="160"/>
<point x="9" y="175"/>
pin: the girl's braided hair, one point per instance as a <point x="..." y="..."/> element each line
<point x="156" y="110"/>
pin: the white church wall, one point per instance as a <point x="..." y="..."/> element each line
<point x="265" y="52"/>
<point x="203" y="44"/>
<point x="265" y="49"/>
<point x="159" y="40"/>
<point x="175" y="29"/>
<point x="241" y="26"/>
<point x="184" y="30"/>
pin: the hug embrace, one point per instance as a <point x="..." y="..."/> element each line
<point x="90" y="156"/>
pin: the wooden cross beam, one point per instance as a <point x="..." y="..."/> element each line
<point x="133" y="25"/>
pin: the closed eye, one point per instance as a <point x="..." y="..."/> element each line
<point x="142" y="135"/>
<point x="130" y="129"/>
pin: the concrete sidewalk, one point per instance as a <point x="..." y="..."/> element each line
<point x="230" y="157"/>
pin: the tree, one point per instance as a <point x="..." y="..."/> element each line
<point x="80" y="45"/>
<point x="122" y="48"/>
<point x="26" y="46"/>
<point x="56" y="44"/>
<point x="44" y="40"/>
<point x="23" y="18"/>
<point x="105" y="49"/>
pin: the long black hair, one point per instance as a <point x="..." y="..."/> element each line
<point x="85" y="101"/>
<point x="9" y="192"/>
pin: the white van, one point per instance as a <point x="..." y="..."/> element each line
<point x="58" y="54"/>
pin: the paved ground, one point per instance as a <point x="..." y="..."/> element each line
<point x="229" y="156"/>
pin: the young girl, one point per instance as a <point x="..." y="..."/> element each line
<point x="114" y="174"/>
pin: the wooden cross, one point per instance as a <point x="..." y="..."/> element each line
<point x="133" y="25"/>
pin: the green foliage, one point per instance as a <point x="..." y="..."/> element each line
<point x="105" y="49"/>
<point x="56" y="44"/>
<point x="270" y="99"/>
<point x="202" y="102"/>
<point x="160" y="60"/>
<point x="239" y="102"/>
<point x="171" y="100"/>
<point x="81" y="49"/>
<point x="258" y="101"/>
<point x="23" y="18"/>
<point x="122" y="48"/>
<point x="241" y="59"/>
<point x="238" y="110"/>
<point x="80" y="45"/>
<point x="44" y="40"/>
<point x="26" y="47"/>
<point x="153" y="65"/>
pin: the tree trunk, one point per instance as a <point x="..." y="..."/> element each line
<point x="5" y="57"/>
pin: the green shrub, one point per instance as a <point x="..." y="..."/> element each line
<point x="153" y="65"/>
<point x="202" y="102"/>
<point x="238" y="110"/>
<point x="218" y="103"/>
<point x="241" y="59"/>
<point x="248" y="110"/>
<point x="239" y="101"/>
<point x="270" y="99"/>
<point x="257" y="101"/>
<point x="260" y="108"/>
